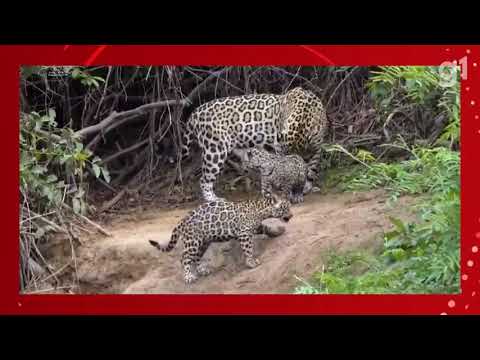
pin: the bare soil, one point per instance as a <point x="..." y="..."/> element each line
<point x="127" y="263"/>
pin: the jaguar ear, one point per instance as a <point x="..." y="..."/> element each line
<point x="276" y="200"/>
<point x="242" y="154"/>
<point x="248" y="155"/>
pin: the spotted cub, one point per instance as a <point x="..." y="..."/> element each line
<point x="286" y="174"/>
<point x="221" y="221"/>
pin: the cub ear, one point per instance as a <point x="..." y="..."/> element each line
<point x="276" y="199"/>
<point x="248" y="154"/>
<point x="242" y="154"/>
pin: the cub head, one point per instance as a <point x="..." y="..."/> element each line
<point x="281" y="208"/>
<point x="252" y="158"/>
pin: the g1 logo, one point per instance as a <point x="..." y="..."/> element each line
<point x="448" y="71"/>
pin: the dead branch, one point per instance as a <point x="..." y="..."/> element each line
<point x="106" y="124"/>
<point x="107" y="205"/>
<point x="125" y="151"/>
<point x="338" y="86"/>
<point x="116" y="119"/>
<point x="199" y="87"/>
<point x="87" y="220"/>
<point x="48" y="222"/>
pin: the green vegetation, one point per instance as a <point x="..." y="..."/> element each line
<point x="51" y="159"/>
<point x="421" y="257"/>
<point x="419" y="88"/>
<point x="399" y="126"/>
<point x="53" y="174"/>
<point x="416" y="257"/>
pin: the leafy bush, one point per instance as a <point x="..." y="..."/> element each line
<point x="432" y="171"/>
<point x="75" y="72"/>
<point x="52" y="178"/>
<point x="52" y="163"/>
<point x="416" y="257"/>
<point x="427" y="88"/>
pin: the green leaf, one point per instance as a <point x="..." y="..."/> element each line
<point x="38" y="170"/>
<point x="391" y="235"/>
<point x="51" y="178"/>
<point x="96" y="170"/>
<point x="81" y="157"/>
<point x="398" y="224"/>
<point x="52" y="114"/>
<point x="65" y="158"/>
<point x="76" y="72"/>
<point x="398" y="254"/>
<point x="106" y="174"/>
<point x="365" y="156"/>
<point x="38" y="125"/>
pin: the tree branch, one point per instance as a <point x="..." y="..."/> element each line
<point x="109" y="122"/>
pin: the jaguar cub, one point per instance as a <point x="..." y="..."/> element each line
<point x="284" y="173"/>
<point x="221" y="221"/>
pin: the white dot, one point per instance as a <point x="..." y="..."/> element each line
<point x="464" y="277"/>
<point x="477" y="235"/>
<point x="444" y="313"/>
<point x="474" y="64"/>
<point x="475" y="249"/>
<point x="472" y="102"/>
<point x="451" y="303"/>
<point x="468" y="51"/>
<point x="473" y="293"/>
<point x="467" y="306"/>
<point x="447" y="49"/>
<point x="469" y="263"/>
<point x="476" y="118"/>
<point x="467" y="88"/>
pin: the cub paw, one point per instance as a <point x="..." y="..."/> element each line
<point x="252" y="263"/>
<point x="208" y="198"/>
<point x="204" y="270"/>
<point x="300" y="199"/>
<point x="296" y="199"/>
<point x="190" y="278"/>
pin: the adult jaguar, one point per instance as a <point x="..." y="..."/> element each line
<point x="293" y="122"/>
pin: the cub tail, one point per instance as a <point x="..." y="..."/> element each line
<point x="168" y="247"/>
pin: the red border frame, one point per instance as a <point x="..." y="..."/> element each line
<point x="12" y="57"/>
